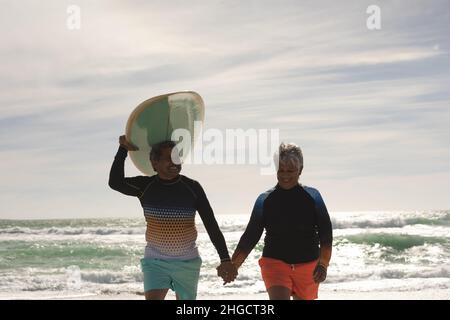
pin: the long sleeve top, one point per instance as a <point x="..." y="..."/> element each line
<point x="169" y="209"/>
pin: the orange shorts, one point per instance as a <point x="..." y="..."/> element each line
<point x="296" y="277"/>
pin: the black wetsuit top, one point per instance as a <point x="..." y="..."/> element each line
<point x="296" y="223"/>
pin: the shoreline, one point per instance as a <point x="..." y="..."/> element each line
<point x="428" y="294"/>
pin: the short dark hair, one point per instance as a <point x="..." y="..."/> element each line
<point x="155" y="153"/>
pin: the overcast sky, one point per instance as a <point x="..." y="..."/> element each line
<point x="370" y="108"/>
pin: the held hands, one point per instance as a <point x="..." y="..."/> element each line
<point x="320" y="273"/>
<point x="127" y="145"/>
<point x="227" y="271"/>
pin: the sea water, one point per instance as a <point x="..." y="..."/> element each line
<point x="372" y="251"/>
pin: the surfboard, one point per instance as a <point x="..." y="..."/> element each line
<point x="155" y="119"/>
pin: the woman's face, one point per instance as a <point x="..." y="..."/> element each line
<point x="288" y="174"/>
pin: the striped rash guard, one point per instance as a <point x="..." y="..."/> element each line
<point x="169" y="210"/>
<point x="296" y="223"/>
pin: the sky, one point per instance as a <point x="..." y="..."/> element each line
<point x="369" y="108"/>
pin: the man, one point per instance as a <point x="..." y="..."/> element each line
<point x="298" y="242"/>
<point x="170" y="201"/>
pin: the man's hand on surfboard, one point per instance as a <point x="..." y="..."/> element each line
<point x="127" y="145"/>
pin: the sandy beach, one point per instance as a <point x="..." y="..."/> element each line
<point x="430" y="294"/>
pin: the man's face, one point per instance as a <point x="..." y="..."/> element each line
<point x="288" y="174"/>
<point x="165" y="166"/>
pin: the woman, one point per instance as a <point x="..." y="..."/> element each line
<point x="297" y="246"/>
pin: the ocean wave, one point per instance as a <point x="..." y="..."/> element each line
<point x="399" y="222"/>
<point x="116" y="278"/>
<point x="49" y="254"/>
<point x="361" y="224"/>
<point x="395" y="241"/>
<point x="401" y="274"/>
<point x="70" y="278"/>
<point x="227" y="223"/>
<point x="99" y="231"/>
<point x="387" y="273"/>
<point x="110" y="277"/>
<point x="74" y="231"/>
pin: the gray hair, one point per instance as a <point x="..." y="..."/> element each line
<point x="289" y="152"/>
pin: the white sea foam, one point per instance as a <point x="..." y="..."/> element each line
<point x="403" y="251"/>
<point x="70" y="231"/>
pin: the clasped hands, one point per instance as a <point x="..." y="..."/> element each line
<point x="227" y="271"/>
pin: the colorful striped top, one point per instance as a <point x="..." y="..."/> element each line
<point x="169" y="209"/>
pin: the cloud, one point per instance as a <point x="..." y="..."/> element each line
<point x="362" y="104"/>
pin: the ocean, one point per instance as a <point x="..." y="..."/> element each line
<point x="372" y="251"/>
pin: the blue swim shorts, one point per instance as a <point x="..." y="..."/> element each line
<point x="179" y="275"/>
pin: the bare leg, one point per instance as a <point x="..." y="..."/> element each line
<point x="156" y="294"/>
<point x="279" y="293"/>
